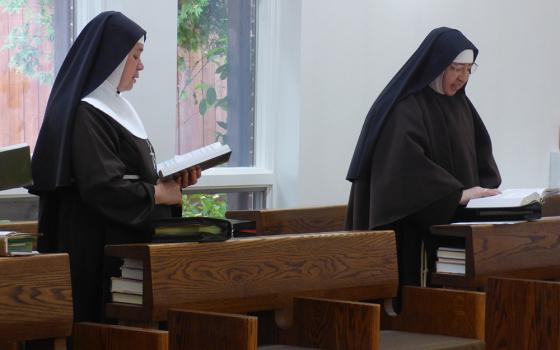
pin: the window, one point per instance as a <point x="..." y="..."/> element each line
<point x="216" y="61"/>
<point x="216" y="94"/>
<point x="34" y="38"/>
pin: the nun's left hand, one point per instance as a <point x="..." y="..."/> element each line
<point x="189" y="177"/>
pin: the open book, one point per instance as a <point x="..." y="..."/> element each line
<point x="514" y="197"/>
<point x="205" y="157"/>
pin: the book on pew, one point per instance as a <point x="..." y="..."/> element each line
<point x="126" y="285"/>
<point x="451" y="253"/>
<point x="206" y="157"/>
<point x="128" y="288"/>
<point x="15" y="162"/>
<point x="516" y="204"/>
<point x="132" y="273"/>
<point x="128" y="298"/>
<point x="447" y="267"/>
<point x="450" y="260"/>
<point x="133" y="263"/>
<point x="509" y="198"/>
<point x="14" y="243"/>
<point x="191" y="229"/>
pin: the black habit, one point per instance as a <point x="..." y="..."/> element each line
<point x="417" y="152"/>
<point x="82" y="165"/>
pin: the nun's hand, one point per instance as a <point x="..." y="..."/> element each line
<point x="168" y="192"/>
<point x="477" y="192"/>
<point x="189" y="177"/>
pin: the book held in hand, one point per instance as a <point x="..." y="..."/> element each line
<point x="205" y="157"/>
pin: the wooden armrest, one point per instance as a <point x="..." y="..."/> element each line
<point x="439" y="311"/>
<point x="96" y="336"/>
<point x="334" y="324"/>
<point x="522" y="314"/>
<point x="190" y="329"/>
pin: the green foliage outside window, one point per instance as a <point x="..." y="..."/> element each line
<point x="209" y="205"/>
<point x="26" y="40"/>
<point x="203" y="27"/>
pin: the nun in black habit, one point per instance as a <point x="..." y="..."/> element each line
<point x="93" y="165"/>
<point x="423" y="151"/>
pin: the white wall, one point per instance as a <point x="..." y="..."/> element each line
<point x="350" y="50"/>
<point x="154" y="94"/>
<point x="333" y="59"/>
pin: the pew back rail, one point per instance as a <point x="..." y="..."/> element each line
<point x="261" y="273"/>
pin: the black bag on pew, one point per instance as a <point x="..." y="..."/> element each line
<point x="191" y="229"/>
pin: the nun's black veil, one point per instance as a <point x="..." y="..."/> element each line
<point x="435" y="53"/>
<point x="99" y="49"/>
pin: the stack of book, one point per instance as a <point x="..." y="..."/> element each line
<point x="17" y="243"/>
<point x="129" y="287"/>
<point x="450" y="260"/>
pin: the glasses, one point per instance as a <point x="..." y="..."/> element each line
<point x="463" y="68"/>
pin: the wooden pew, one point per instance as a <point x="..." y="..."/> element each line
<point x="36" y="301"/>
<point x="95" y="336"/>
<point x="523" y="250"/>
<point x="295" y="220"/>
<point x="522" y="314"/>
<point x="310" y="281"/>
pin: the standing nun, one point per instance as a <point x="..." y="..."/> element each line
<point x="93" y="166"/>
<point x="423" y="151"/>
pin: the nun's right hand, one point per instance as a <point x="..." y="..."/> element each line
<point x="477" y="192"/>
<point x="168" y="192"/>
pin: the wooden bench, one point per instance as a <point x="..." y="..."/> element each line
<point x="36" y="301"/>
<point x="311" y="282"/>
<point x="522" y="314"/>
<point x="294" y="220"/>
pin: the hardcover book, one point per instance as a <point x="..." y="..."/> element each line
<point x="15" y="162"/>
<point x="205" y="157"/>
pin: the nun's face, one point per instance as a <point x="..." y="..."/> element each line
<point x="455" y="77"/>
<point x="132" y="68"/>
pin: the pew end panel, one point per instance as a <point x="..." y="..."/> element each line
<point x="294" y="220"/>
<point x="36" y="298"/>
<point x="522" y="314"/>
<point x="447" y="312"/>
<point x="96" y="336"/>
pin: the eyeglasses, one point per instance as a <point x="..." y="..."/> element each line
<point x="463" y="68"/>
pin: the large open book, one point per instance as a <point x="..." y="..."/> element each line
<point x="15" y="162"/>
<point x="205" y="157"/>
<point x="516" y="204"/>
<point x="514" y="197"/>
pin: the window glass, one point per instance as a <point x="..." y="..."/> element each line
<point x="34" y="36"/>
<point x="215" y="83"/>
<point x="216" y="203"/>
